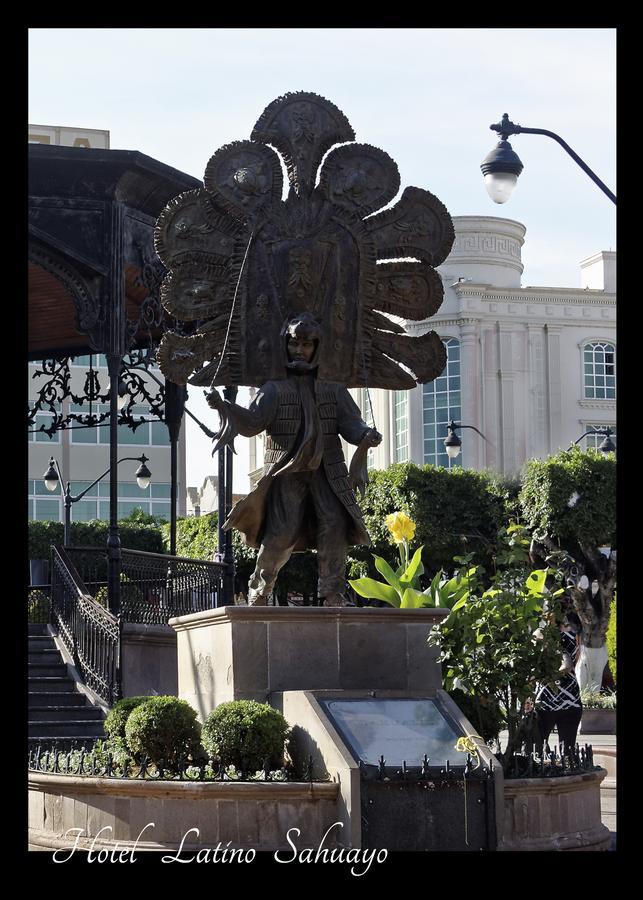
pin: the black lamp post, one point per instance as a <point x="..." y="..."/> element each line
<point x="607" y="445"/>
<point x="452" y="442"/>
<point x="501" y="167"/>
<point x="53" y="476"/>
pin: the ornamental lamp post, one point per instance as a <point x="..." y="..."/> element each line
<point x="452" y="442"/>
<point x="53" y="477"/>
<point x="502" y="166"/>
<point x="607" y="444"/>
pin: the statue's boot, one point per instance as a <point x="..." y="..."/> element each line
<point x="256" y="598"/>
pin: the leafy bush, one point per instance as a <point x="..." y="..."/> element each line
<point x="118" y="715"/>
<point x="196" y="536"/>
<point x="163" y="729"/>
<point x="596" y="700"/>
<point x="494" y="645"/>
<point x="571" y="496"/>
<point x="37" y="607"/>
<point x="245" y="733"/>
<point x="610" y="638"/>
<point x="92" y="534"/>
<point x="455" y="512"/>
<point x="483" y="713"/>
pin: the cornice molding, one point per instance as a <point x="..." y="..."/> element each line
<point x="598" y="404"/>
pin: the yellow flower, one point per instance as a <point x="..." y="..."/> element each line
<point x="401" y="527"/>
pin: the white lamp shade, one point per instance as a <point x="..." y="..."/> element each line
<point x="500" y="185"/>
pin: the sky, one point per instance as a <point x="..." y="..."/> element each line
<point x="426" y="96"/>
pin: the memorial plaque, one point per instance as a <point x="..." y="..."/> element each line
<point x="401" y="730"/>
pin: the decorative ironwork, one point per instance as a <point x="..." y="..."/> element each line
<point x="154" y="587"/>
<point x="547" y="763"/>
<point x="139" y="385"/>
<point x="71" y="757"/>
<point x="91" y="633"/>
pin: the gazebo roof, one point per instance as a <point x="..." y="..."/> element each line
<point x="71" y="192"/>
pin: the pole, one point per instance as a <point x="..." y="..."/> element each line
<point x="229" y="393"/>
<point x="175" y="396"/>
<point x="114" y="538"/>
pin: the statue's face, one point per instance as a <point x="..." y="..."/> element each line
<point x="300" y="348"/>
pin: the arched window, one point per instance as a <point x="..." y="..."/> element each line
<point x="441" y="404"/>
<point x="599" y="371"/>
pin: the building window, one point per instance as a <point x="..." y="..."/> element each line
<point x="595" y="440"/>
<point x="599" y="371"/>
<point x="401" y="421"/>
<point x="95" y="361"/>
<point x="441" y="404"/>
<point x="44" y="505"/>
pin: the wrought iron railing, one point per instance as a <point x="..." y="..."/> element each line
<point x="76" y="759"/>
<point x="91" y="633"/>
<point x="154" y="587"/>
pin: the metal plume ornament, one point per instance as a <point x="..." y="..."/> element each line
<point x="240" y="259"/>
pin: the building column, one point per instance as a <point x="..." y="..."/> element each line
<point x="537" y="421"/>
<point x="553" y="387"/>
<point x="470" y="394"/>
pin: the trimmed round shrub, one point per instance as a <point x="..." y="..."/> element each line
<point x="118" y="715"/>
<point x="245" y="733"/>
<point x="163" y="729"/>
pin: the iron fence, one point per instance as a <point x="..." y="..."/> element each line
<point x="154" y="587"/>
<point x="76" y="760"/>
<point x="91" y="634"/>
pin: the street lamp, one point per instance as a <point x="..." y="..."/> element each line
<point x="452" y="442"/>
<point x="501" y="167"/>
<point x="53" y="477"/>
<point x="606" y="446"/>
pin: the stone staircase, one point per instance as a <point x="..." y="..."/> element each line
<point x="57" y="710"/>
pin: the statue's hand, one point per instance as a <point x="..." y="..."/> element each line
<point x="373" y="438"/>
<point x="214" y="399"/>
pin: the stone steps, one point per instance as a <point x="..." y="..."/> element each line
<point x="57" y="709"/>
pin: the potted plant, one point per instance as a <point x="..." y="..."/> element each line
<point x="599" y="712"/>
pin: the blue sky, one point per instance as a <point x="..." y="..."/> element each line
<point x="425" y="96"/>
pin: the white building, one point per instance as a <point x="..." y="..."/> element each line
<point x="532" y="368"/>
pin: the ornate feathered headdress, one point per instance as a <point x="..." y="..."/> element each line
<point x="241" y="260"/>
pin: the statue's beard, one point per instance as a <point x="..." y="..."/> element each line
<point x="300" y="365"/>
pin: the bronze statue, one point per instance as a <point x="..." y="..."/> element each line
<point x="305" y="498"/>
<point x="253" y="279"/>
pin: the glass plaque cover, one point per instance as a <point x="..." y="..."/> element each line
<point x="398" y="729"/>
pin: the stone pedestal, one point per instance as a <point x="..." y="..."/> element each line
<point x="250" y="652"/>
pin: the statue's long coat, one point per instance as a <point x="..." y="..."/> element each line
<point x="299" y="413"/>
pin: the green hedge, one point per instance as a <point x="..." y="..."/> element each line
<point x="92" y="534"/>
<point x="456" y="512"/>
<point x="196" y="536"/>
<point x="588" y="480"/>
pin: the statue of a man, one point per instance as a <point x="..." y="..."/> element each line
<point x="305" y="498"/>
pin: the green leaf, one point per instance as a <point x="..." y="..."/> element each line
<point x="368" y="587"/>
<point x="414" y="568"/>
<point x="460" y="602"/>
<point x="384" y="569"/>
<point x="412" y="599"/>
<point x="536" y="581"/>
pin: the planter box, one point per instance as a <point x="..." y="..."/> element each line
<point x="561" y="813"/>
<point x="114" y="810"/>
<point x="598" y="721"/>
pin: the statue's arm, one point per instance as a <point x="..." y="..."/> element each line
<point x="237" y="419"/>
<point x="350" y="424"/>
